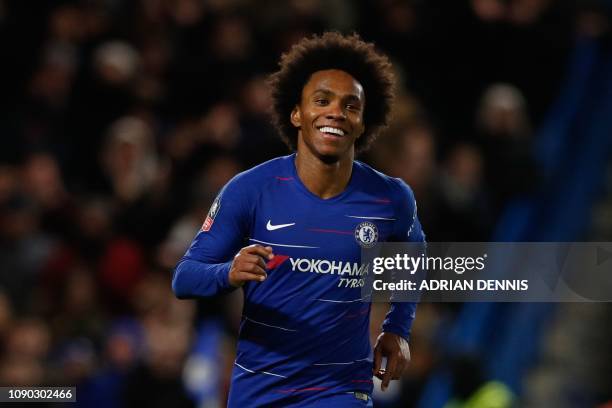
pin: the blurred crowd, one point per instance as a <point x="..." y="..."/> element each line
<point x="121" y="121"/>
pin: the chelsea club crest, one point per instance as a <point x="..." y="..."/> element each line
<point x="366" y="234"/>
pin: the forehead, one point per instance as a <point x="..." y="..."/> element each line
<point x="334" y="81"/>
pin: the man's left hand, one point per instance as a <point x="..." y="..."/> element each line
<point x="397" y="351"/>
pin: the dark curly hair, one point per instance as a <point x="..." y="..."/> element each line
<point x="333" y="51"/>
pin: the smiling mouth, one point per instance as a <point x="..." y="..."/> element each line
<point x="332" y="131"/>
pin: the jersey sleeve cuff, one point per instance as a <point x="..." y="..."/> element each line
<point x="389" y="327"/>
<point x="223" y="275"/>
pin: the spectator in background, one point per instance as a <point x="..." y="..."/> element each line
<point x="78" y="312"/>
<point x="120" y="354"/>
<point x="415" y="157"/>
<point x="48" y="101"/>
<point x="129" y="159"/>
<point x="25" y="353"/>
<point x="43" y="182"/>
<point x="24" y="249"/>
<point x="454" y="204"/>
<point x="203" y="189"/>
<point x="461" y="208"/>
<point x="505" y="135"/>
<point x="156" y="381"/>
<point x="411" y="156"/>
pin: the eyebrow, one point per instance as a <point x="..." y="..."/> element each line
<point x="329" y="92"/>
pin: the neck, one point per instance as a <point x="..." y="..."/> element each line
<point x="323" y="178"/>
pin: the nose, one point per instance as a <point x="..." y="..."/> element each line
<point x="336" y="112"/>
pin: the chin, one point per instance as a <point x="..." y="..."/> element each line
<point x="329" y="154"/>
<point x="329" y="158"/>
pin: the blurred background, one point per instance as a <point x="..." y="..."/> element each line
<point x="121" y="120"/>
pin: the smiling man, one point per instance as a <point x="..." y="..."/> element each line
<point x="290" y="231"/>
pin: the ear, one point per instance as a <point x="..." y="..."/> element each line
<point x="296" y="117"/>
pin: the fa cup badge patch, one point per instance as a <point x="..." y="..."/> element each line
<point x="212" y="213"/>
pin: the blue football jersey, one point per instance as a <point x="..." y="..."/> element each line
<point x="304" y="332"/>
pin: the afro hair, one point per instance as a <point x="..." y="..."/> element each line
<point x="333" y="51"/>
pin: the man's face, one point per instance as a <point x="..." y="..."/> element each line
<point x="329" y="116"/>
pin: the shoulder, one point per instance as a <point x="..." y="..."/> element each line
<point x="397" y="190"/>
<point x="401" y="197"/>
<point x="253" y="179"/>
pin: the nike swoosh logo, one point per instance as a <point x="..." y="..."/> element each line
<point x="271" y="227"/>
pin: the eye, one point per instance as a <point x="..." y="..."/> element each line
<point x="321" y="102"/>
<point x="353" y="107"/>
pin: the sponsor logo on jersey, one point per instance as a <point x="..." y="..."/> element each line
<point x="350" y="274"/>
<point x="277" y="261"/>
<point x="322" y="266"/>
<point x="325" y="266"/>
<point x="271" y="227"/>
<point x="366" y="234"/>
<point x="212" y="213"/>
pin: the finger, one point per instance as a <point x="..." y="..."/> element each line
<point x="251" y="267"/>
<point x="399" y="370"/>
<point x="377" y="359"/>
<point x="380" y="374"/>
<point x="247" y="276"/>
<point x="389" y="370"/>
<point x="254" y="259"/>
<point x="265" y="252"/>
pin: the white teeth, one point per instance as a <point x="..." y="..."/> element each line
<point x="329" y="129"/>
